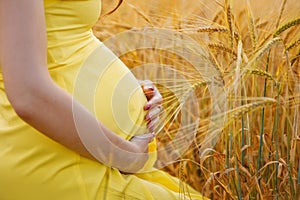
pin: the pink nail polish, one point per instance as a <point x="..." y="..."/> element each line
<point x="151" y="88"/>
<point x="146" y="107"/>
<point x="147" y="117"/>
<point x="151" y="128"/>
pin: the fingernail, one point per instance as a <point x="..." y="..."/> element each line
<point x="147" y="107"/>
<point x="151" y="88"/>
<point x="150" y="127"/>
<point x="147" y="117"/>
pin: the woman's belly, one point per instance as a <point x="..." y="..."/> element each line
<point x="106" y="87"/>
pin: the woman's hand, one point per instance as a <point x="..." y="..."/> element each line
<point x="136" y="161"/>
<point x="142" y="141"/>
<point x="153" y="105"/>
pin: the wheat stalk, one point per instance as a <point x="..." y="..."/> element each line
<point x="281" y="12"/>
<point x="140" y="13"/>
<point x="215" y="63"/>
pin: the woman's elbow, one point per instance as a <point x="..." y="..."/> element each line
<point x="25" y="95"/>
<point x="24" y="98"/>
<point x="22" y="105"/>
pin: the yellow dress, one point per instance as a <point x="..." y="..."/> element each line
<point x="34" y="167"/>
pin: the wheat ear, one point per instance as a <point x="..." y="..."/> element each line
<point x="286" y="26"/>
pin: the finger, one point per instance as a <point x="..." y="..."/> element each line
<point x="154" y="101"/>
<point x="145" y="137"/>
<point x="147" y="83"/>
<point x="152" y="125"/>
<point x="153" y="113"/>
<point x="148" y="88"/>
<point x="152" y="94"/>
<point x="143" y="140"/>
<point x="149" y="92"/>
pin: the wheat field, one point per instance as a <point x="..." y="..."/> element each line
<point x="251" y="49"/>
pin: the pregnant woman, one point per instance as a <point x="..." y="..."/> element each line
<point x="53" y="145"/>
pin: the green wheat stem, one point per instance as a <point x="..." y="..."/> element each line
<point x="239" y="188"/>
<point x="298" y="185"/>
<point x="290" y="164"/>
<point x="243" y="140"/>
<point x="227" y="156"/>
<point x="261" y="139"/>
<point x="276" y="136"/>
<point x="230" y="147"/>
<point x="290" y="132"/>
<point x="261" y="134"/>
<point x="227" y="151"/>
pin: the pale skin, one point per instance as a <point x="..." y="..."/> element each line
<point x="23" y="47"/>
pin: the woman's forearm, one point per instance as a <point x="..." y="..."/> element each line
<point x="51" y="110"/>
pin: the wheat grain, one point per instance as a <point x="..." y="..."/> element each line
<point x="229" y="22"/>
<point x="242" y="110"/>
<point x="260" y="73"/>
<point x="222" y="47"/>
<point x="293" y="45"/>
<point x="264" y="49"/>
<point x="286" y="26"/>
<point x="213" y="29"/>
<point x="251" y="26"/>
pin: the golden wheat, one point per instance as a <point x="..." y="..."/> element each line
<point x="241" y="38"/>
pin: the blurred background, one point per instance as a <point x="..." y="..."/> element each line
<point x="254" y="48"/>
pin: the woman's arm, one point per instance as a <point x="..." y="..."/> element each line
<point x="38" y="100"/>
